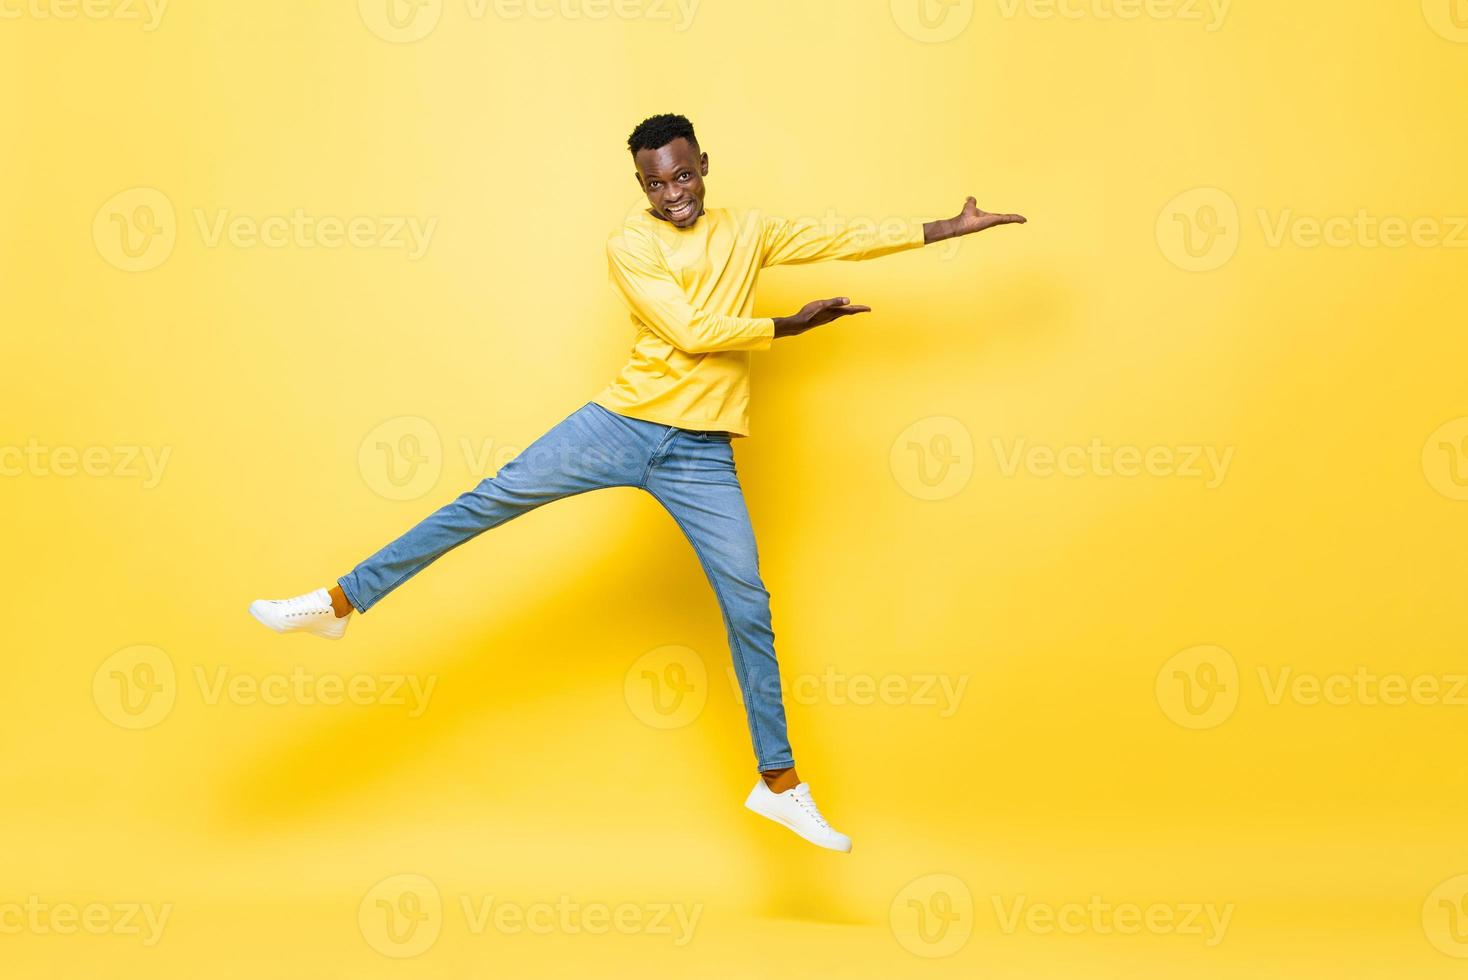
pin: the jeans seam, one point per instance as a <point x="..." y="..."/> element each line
<point x="652" y="460"/>
<point x="724" y="607"/>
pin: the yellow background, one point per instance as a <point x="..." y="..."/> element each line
<point x="1334" y="542"/>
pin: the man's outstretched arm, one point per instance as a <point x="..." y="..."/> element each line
<point x="787" y="241"/>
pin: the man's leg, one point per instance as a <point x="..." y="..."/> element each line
<point x="692" y="473"/>
<point x="694" y="478"/>
<point x="585" y="451"/>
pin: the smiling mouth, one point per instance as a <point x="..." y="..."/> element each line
<point x="680" y="212"/>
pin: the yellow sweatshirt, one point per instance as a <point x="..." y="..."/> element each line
<point x="691" y="293"/>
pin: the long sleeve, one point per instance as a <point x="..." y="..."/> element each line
<point x="793" y="242"/>
<point x="657" y="300"/>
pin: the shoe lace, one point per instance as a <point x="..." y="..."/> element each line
<point x="802" y="796"/>
<point x="301" y="605"/>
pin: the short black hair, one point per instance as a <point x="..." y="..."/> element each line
<point x="658" y="131"/>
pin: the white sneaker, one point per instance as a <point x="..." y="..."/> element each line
<point x="311" y="612"/>
<point x="796" y="810"/>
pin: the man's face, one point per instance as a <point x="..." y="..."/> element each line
<point x="672" y="178"/>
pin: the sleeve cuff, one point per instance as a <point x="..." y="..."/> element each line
<point x="764" y="333"/>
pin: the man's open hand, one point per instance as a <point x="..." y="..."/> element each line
<point x="816" y="313"/>
<point x="971" y="219"/>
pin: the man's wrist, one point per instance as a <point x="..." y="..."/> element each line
<point x="940" y="230"/>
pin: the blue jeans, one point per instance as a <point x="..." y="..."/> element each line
<point x="691" y="473"/>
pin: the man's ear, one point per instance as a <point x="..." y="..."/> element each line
<point x="637" y="176"/>
<point x="703" y="164"/>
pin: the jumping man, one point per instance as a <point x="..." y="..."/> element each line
<point x="666" y="423"/>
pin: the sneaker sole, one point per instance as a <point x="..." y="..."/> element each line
<point x="776" y="818"/>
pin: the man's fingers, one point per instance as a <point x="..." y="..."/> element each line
<point x="844" y="310"/>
